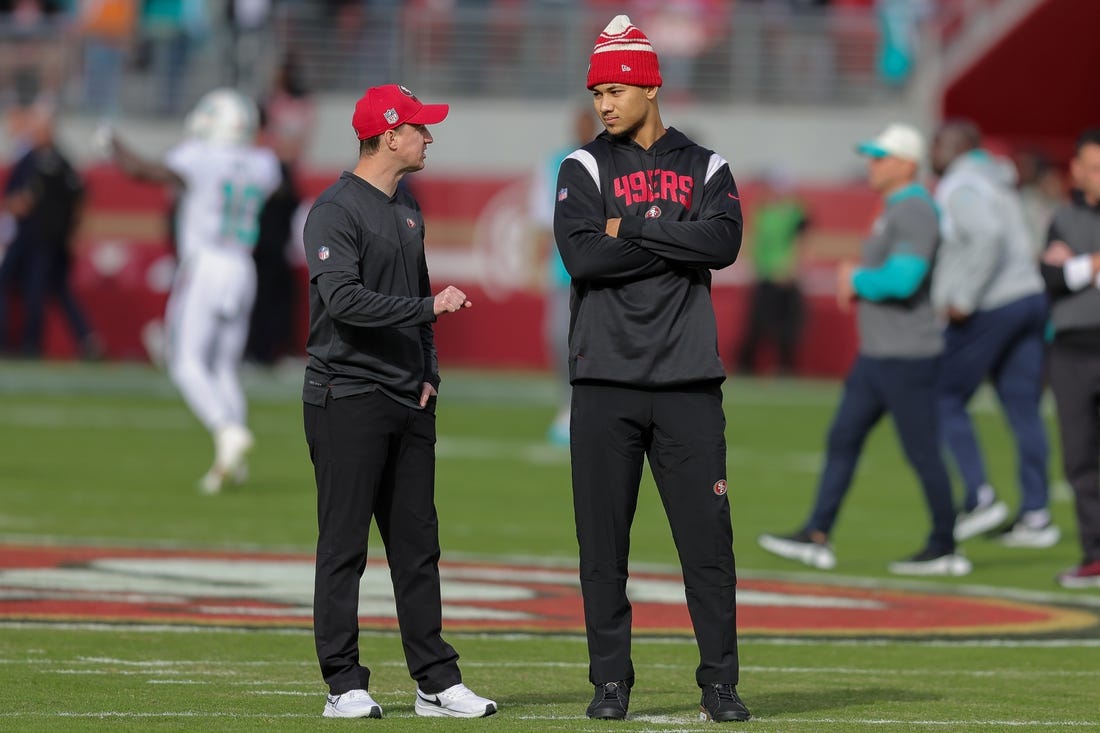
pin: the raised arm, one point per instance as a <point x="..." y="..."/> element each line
<point x="133" y="164"/>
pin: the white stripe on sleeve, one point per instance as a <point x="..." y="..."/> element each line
<point x="715" y="165"/>
<point x="586" y="159"/>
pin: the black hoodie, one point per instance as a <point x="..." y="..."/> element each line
<point x="640" y="307"/>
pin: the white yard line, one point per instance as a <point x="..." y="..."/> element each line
<point x="220" y="668"/>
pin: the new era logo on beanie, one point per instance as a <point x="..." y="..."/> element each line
<point x="623" y="55"/>
<point x="386" y="107"/>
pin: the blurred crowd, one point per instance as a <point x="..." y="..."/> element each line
<point x="87" y="53"/>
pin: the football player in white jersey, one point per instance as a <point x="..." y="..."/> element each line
<point x="222" y="180"/>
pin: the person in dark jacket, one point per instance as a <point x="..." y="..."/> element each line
<point x="45" y="196"/>
<point x="370" y="394"/>
<point x="1071" y="270"/>
<point x="643" y="215"/>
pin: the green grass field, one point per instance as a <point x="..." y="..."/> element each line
<point x="108" y="455"/>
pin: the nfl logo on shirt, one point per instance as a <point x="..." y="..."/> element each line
<point x="563" y="194"/>
<point x="322" y="253"/>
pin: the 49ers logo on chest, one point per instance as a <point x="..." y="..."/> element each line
<point x="654" y="185"/>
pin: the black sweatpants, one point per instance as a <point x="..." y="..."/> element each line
<point x="373" y="456"/>
<point x="1075" y="381"/>
<point x="682" y="433"/>
<point x="775" y="314"/>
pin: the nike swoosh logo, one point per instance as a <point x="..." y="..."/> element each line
<point x="735" y="198"/>
<point x="429" y="700"/>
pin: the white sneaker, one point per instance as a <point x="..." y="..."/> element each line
<point x="979" y="520"/>
<point x="1022" y="534"/>
<point x="211" y="482"/>
<point x="352" y="704"/>
<point x="231" y="445"/>
<point x="454" y="702"/>
<point x="800" y="546"/>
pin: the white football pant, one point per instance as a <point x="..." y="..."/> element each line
<point x="207" y="317"/>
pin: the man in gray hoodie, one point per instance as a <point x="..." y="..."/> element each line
<point x="987" y="286"/>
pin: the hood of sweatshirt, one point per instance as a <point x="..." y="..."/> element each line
<point x="997" y="170"/>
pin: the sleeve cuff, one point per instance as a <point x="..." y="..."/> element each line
<point x="631" y="227"/>
<point x="429" y="310"/>
<point x="1078" y="272"/>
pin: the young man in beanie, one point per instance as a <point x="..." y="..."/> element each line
<point x="370" y="394"/>
<point x="643" y="215"/>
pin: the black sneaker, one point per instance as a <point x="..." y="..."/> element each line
<point x="610" y="701"/>
<point x="721" y="704"/>
<point x="932" y="562"/>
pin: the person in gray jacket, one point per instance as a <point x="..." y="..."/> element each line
<point x="1071" y="270"/>
<point x="987" y="285"/>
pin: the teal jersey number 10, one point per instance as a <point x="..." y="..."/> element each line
<point x="241" y="213"/>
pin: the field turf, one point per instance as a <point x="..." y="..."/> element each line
<point x="108" y="455"/>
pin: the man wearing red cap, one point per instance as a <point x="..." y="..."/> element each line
<point x="370" y="392"/>
<point x="643" y="216"/>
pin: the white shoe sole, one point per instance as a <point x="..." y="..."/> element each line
<point x="814" y="555"/>
<point x="375" y="711"/>
<point x="211" y="483"/>
<point x="981" y="520"/>
<point x="1032" y="538"/>
<point x="948" y="565"/>
<point x="427" y="710"/>
<point x="1076" y="583"/>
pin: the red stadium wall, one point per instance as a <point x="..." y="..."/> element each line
<point x="477" y="239"/>
<point x="1035" y="88"/>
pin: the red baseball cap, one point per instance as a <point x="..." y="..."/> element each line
<point x="389" y="106"/>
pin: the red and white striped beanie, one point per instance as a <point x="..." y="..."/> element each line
<point x="623" y="55"/>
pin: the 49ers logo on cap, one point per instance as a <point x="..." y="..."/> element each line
<point x="406" y="91"/>
<point x="653" y="212"/>
<point x="720" y="487"/>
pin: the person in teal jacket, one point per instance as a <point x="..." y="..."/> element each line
<point x="895" y="372"/>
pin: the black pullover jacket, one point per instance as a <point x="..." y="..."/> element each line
<point x="640" y="307"/>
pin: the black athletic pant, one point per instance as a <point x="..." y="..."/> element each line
<point x="775" y="314"/>
<point x="373" y="456"/>
<point x="682" y="433"/>
<point x="1075" y="381"/>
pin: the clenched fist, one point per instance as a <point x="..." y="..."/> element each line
<point x="451" y="299"/>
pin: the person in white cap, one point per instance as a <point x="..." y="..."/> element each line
<point x="895" y="372"/>
<point x="643" y="217"/>
<point x="369" y="408"/>
<point x="223" y="179"/>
